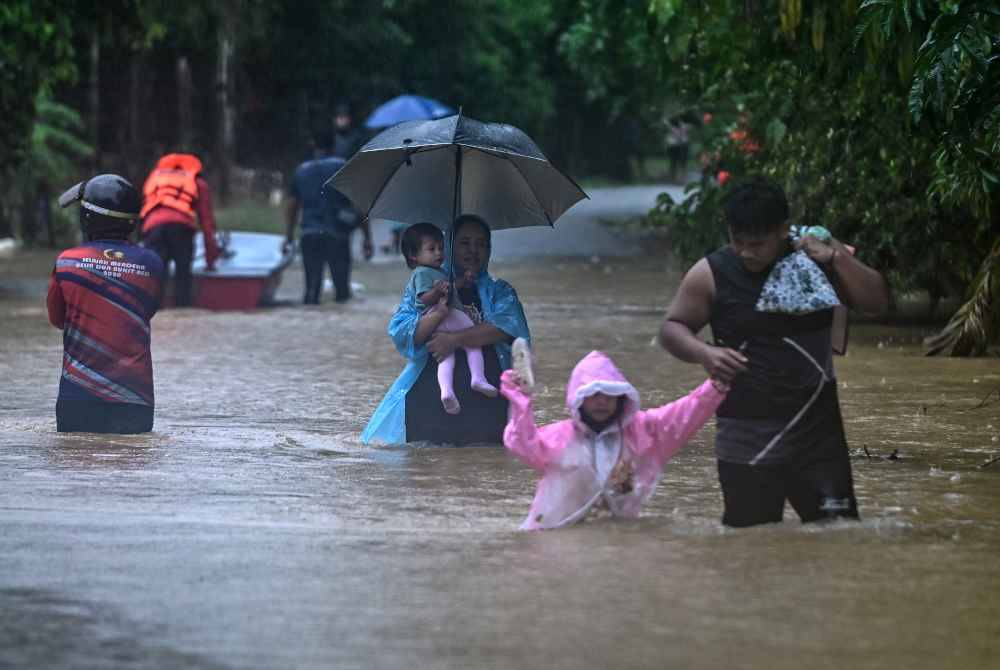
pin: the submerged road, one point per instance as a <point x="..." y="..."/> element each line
<point x="251" y="529"/>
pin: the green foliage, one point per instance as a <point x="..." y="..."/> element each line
<point x="35" y="53"/>
<point x="880" y="120"/>
<point x="56" y="146"/>
<point x="51" y="160"/>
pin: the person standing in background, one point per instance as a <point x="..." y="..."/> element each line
<point x="177" y="200"/>
<point x="346" y="138"/>
<point x="328" y="223"/>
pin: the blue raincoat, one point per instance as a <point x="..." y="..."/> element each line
<point x="500" y="307"/>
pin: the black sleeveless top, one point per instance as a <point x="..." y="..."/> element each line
<point x="780" y="379"/>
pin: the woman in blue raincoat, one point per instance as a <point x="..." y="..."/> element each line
<point x="411" y="410"/>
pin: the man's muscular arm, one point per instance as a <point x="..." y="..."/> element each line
<point x="691" y="311"/>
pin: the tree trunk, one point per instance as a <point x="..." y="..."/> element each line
<point x="185" y="132"/>
<point x="131" y="151"/>
<point x="94" y="101"/>
<point x="226" y="141"/>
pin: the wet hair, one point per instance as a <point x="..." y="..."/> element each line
<point x="463" y="219"/>
<point x="756" y="207"/>
<point x="413" y="238"/>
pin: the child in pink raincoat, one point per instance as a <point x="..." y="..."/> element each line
<point x="610" y="454"/>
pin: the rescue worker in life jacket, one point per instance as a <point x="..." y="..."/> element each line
<point x="176" y="200"/>
<point x="102" y="295"/>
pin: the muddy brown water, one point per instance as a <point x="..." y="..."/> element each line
<point x="251" y="529"/>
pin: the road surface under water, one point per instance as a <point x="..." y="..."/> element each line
<point x="251" y="529"/>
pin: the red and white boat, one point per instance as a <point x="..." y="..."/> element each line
<point x="247" y="272"/>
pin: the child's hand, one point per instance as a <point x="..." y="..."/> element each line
<point x="439" y="289"/>
<point x="521" y="383"/>
<point x="720" y="385"/>
<point x="511" y="382"/>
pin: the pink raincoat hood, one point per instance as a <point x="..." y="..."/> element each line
<point x="618" y="468"/>
<point x="596" y="373"/>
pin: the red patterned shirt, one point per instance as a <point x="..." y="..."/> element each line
<point x="103" y="295"/>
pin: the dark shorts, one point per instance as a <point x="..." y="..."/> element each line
<point x="817" y="489"/>
<point x="94" y="416"/>
<point x="815" y="478"/>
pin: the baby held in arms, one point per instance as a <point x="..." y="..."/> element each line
<point x="610" y="454"/>
<point x="422" y="245"/>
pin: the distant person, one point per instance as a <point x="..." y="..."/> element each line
<point x="102" y="295"/>
<point x="609" y="455"/>
<point x="347" y="139"/>
<point x="177" y="200"/>
<point x="411" y="410"/>
<point x="779" y="433"/>
<point x="328" y="221"/>
<point x="678" y="149"/>
<point x="423" y="248"/>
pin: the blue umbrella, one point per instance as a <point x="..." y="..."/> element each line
<point x="407" y="108"/>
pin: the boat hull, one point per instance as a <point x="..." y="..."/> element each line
<point x="246" y="276"/>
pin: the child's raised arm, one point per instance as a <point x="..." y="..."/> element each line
<point x="673" y="424"/>
<point x="521" y="435"/>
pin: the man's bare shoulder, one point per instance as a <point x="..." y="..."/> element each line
<point x="699" y="280"/>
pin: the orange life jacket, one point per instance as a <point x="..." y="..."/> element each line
<point x="172" y="184"/>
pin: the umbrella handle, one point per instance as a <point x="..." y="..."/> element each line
<point x="454" y="215"/>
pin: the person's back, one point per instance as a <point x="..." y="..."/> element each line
<point x="103" y="295"/>
<point x="328" y="220"/>
<point x="177" y="201"/>
<point x="322" y="212"/>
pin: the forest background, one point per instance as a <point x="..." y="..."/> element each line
<point x="881" y="118"/>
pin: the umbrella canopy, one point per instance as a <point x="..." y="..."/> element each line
<point x="434" y="170"/>
<point x="406" y="108"/>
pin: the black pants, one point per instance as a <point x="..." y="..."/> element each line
<point x="94" y="416"/>
<point x="175" y="241"/>
<point x="321" y="250"/>
<point x="481" y="420"/>
<point x="817" y="488"/>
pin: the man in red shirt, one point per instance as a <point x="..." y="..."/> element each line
<point x="102" y="295"/>
<point x="177" y="200"/>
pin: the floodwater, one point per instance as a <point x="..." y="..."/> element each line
<point x="251" y="529"/>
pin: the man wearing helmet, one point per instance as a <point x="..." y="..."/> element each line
<point x="102" y="295"/>
<point x="177" y="200"/>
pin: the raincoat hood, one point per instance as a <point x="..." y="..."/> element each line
<point x="449" y="240"/>
<point x="596" y="373"/>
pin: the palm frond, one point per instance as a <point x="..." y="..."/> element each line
<point x="976" y="324"/>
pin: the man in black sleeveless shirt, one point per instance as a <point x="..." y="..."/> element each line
<point x="779" y="432"/>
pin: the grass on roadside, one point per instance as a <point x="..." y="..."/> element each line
<point x="251" y="215"/>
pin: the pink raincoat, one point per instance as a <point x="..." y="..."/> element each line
<point x="618" y="468"/>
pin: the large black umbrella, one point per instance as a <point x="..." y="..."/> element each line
<point x="434" y="170"/>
